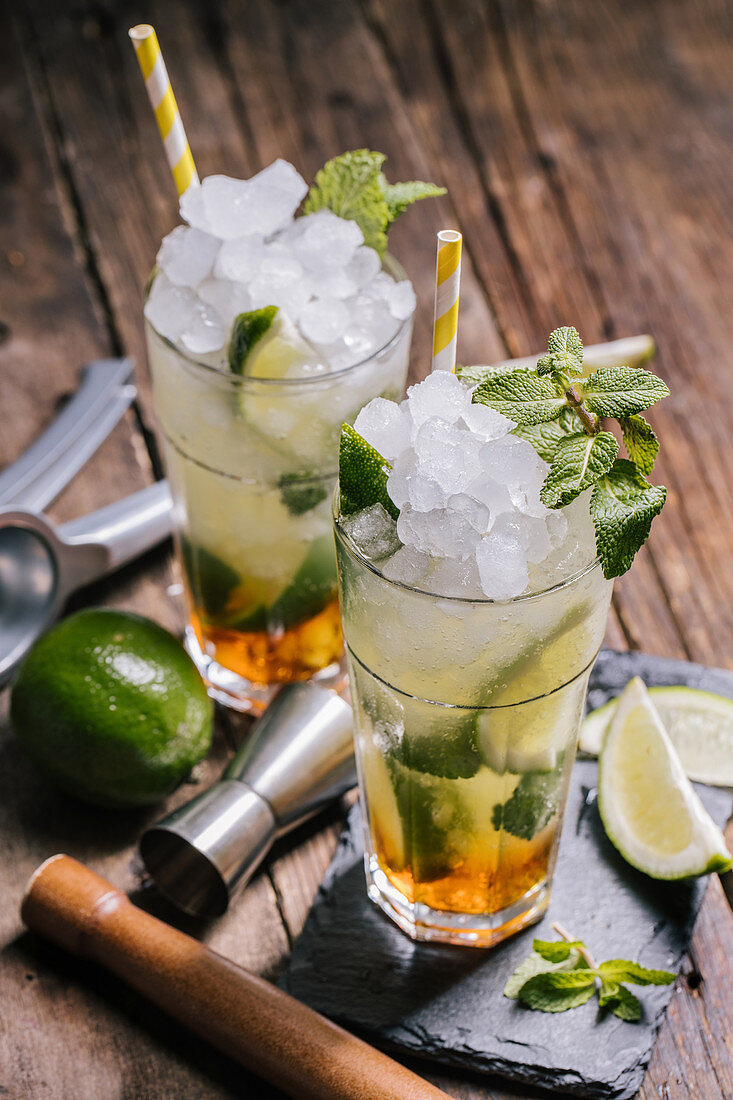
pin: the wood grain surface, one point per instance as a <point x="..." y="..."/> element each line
<point x="585" y="148"/>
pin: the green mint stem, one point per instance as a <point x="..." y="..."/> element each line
<point x="588" y="420"/>
<point x="557" y="927"/>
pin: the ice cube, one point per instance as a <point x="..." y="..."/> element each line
<point x="372" y="317"/>
<point x="487" y="422"/>
<point x="406" y="485"/>
<point x="323" y="321"/>
<point x="384" y="424"/>
<point x="228" y="298"/>
<point x="192" y="209"/>
<point x="275" y="194"/>
<point x="280" y="282"/>
<point x="458" y="579"/>
<point x="530" y="531"/>
<point x="333" y="284"/>
<point x="408" y="566"/>
<point x="440" y="395"/>
<point x="374" y="532"/>
<point x="446" y="454"/>
<point x="169" y="308"/>
<point x="327" y="241"/>
<point x="502" y="565"/>
<point x="204" y="332"/>
<point x="438" y="532"/>
<point x="363" y="265"/>
<point x="401" y="300"/>
<point x="187" y="255"/>
<point x="495" y="496"/>
<point x="227" y="208"/>
<point x="466" y="509"/>
<point x="240" y="258"/>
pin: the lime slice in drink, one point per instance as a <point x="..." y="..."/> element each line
<point x="699" y="724"/>
<point x="648" y="806"/>
<point x="527" y="738"/>
<point x="362" y="475"/>
<point x="266" y="344"/>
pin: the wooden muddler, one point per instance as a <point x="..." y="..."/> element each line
<point x="269" y="1032"/>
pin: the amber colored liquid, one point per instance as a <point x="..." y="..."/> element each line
<point x="277" y="657"/>
<point x="470" y="887"/>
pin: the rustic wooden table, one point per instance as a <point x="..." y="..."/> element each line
<point x="586" y="152"/>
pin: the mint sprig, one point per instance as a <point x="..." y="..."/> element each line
<point x="562" y="974"/>
<point x="559" y="411"/>
<point x="353" y="186"/>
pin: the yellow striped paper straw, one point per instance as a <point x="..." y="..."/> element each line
<point x="447" y="285"/>
<point x="163" y="102"/>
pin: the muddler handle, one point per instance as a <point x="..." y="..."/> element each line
<point x="269" y="1032"/>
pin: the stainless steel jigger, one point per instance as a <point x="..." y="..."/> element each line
<point x="299" y="756"/>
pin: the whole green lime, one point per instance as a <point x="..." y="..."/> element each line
<point x="112" y="708"/>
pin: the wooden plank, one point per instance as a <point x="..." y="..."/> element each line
<point x="86" y="58"/>
<point x="89" y="1027"/>
<point x="616" y="282"/>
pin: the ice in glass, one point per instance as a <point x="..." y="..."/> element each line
<point x="471" y="624"/>
<point x="266" y="331"/>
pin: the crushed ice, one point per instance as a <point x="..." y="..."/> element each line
<point x="471" y="522"/>
<point x="243" y="248"/>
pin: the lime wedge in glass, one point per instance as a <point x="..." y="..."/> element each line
<point x="266" y="344"/>
<point x="647" y="804"/>
<point x="699" y="724"/>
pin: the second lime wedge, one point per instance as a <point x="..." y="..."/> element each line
<point x="647" y="804"/>
<point x="699" y="724"/>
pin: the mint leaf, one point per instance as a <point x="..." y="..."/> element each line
<point x="564" y="352"/>
<point x="349" y="186"/>
<point x="399" y="196"/>
<point x="555" y="950"/>
<point x="625" y="1005"/>
<point x="545" y="437"/>
<point x="623" y="970"/>
<point x="578" y="462"/>
<point x="622" y="506"/>
<point x="522" y="396"/>
<point x="300" y="495"/>
<point x="640" y="441"/>
<point x="363" y="475"/>
<point x="609" y="991"/>
<point x="620" y="391"/>
<point x="535" y="964"/>
<point x="473" y="375"/>
<point x="530" y="807"/>
<point x="558" y="990"/>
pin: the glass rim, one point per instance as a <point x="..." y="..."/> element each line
<point x="354" y="553"/>
<point x="388" y="262"/>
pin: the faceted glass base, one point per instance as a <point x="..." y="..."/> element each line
<point x="235" y="691"/>
<point x="420" y="922"/>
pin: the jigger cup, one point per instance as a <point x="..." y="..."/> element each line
<point x="299" y="756"/>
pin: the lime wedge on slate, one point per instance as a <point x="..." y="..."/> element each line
<point x="699" y="724"/>
<point x="362" y="475"/>
<point x="112" y="708"/>
<point x="647" y="804"/>
<point x="266" y="344"/>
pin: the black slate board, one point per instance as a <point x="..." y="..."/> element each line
<point x="445" y="1003"/>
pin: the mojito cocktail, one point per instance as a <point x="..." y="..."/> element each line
<point x="266" y="331"/>
<point x="472" y="620"/>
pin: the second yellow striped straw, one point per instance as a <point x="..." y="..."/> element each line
<point x="447" y="286"/>
<point x="163" y="102"/>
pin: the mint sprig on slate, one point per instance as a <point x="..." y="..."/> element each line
<point x="559" y="411"/>
<point x="353" y="186"/>
<point x="562" y="974"/>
